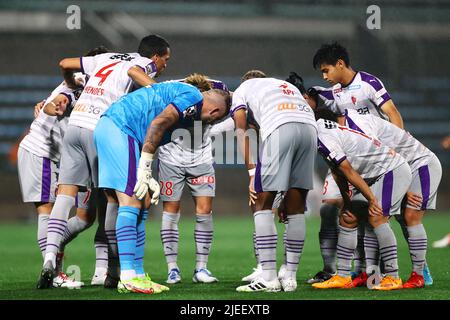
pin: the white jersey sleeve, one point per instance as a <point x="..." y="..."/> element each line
<point x="223" y="126"/>
<point x="325" y="99"/>
<point x="46" y="132"/>
<point x="375" y="90"/>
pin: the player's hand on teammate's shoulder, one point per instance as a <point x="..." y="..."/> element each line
<point x="38" y="107"/>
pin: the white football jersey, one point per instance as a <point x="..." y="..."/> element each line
<point x="272" y="103"/>
<point x="46" y="132"/>
<point x="365" y="94"/>
<point x="195" y="149"/>
<point x="367" y="155"/>
<point x="414" y="152"/>
<point x="108" y="81"/>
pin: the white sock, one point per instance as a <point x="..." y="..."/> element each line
<point x="42" y="232"/>
<point x="266" y="240"/>
<point x="203" y="236"/>
<point x="169" y="238"/>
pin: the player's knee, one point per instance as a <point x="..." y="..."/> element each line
<point x="203" y="208"/>
<point x="348" y="221"/>
<point x="412" y="217"/>
<point x="171" y="206"/>
<point x="376" y="221"/>
<point x="86" y="215"/>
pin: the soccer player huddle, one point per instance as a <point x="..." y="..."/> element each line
<point x="102" y="134"/>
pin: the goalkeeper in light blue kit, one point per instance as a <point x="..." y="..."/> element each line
<point x="126" y="138"/>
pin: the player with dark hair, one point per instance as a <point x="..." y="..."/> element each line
<point x="366" y="94"/>
<point x="111" y="76"/>
<point x="380" y="176"/>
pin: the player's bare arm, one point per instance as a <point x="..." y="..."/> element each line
<point x="155" y="132"/>
<point x="342" y="184"/>
<point x="140" y="77"/>
<point x="356" y="180"/>
<point x="68" y="67"/>
<point x="57" y="106"/>
<point x="241" y="125"/>
<point x="158" y="127"/>
<point x="392" y="112"/>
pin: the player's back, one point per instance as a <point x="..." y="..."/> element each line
<point x="134" y="112"/>
<point x="108" y="81"/>
<point x="273" y="102"/>
<point x="367" y="155"/>
<point x="414" y="152"/>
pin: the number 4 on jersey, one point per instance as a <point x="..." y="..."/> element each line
<point x="103" y="75"/>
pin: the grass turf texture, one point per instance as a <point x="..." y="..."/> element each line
<point x="230" y="260"/>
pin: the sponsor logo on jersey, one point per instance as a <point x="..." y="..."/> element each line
<point x="354" y="87"/>
<point x="286" y="90"/>
<point x="337" y="90"/>
<point x="354" y="100"/>
<point x="203" y="180"/>
<point x="292" y="106"/>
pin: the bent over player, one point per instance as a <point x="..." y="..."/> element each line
<point x="140" y="120"/>
<point x="380" y="175"/>
<point x="111" y="76"/>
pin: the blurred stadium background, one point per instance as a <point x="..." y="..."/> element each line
<point x="223" y="39"/>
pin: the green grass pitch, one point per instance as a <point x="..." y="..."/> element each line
<point x="231" y="258"/>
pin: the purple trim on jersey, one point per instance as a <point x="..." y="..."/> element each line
<point x="131" y="182"/>
<point x="242" y="106"/>
<point x="76" y="201"/>
<point x="46" y="180"/>
<point x="424" y="175"/>
<point x="386" y="97"/>
<point x="338" y="162"/>
<point x="217" y="84"/>
<point x="68" y="97"/>
<point x="153" y="66"/>
<point x="372" y="80"/>
<point x="351" y="124"/>
<point x="327" y="94"/>
<point x="386" y="198"/>
<point x="322" y="149"/>
<point x="81" y="64"/>
<point x="258" y="182"/>
<point x="180" y="114"/>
